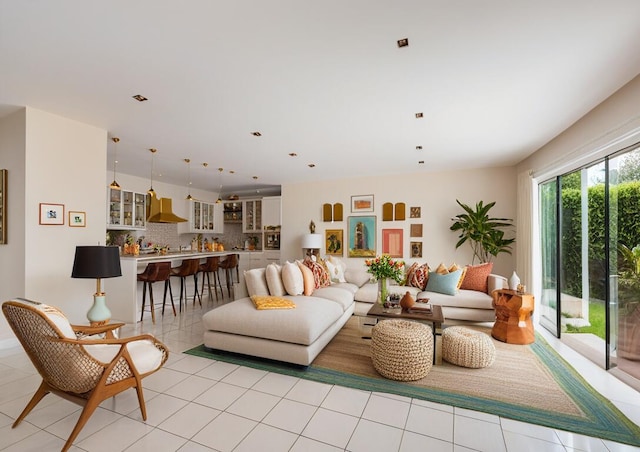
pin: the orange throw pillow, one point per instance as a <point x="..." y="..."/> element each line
<point x="476" y="277"/>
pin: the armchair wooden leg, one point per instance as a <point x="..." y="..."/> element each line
<point x="42" y="391"/>
<point x="143" y="408"/>
<point x="89" y="408"/>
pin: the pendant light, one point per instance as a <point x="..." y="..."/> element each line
<point x="219" y="200"/>
<point x="153" y="153"/>
<point x="189" y="197"/>
<point x="115" y="185"/>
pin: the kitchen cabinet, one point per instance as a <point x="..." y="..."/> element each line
<point x="127" y="210"/>
<point x="233" y="212"/>
<point x="271" y="257"/>
<point x="271" y="211"/>
<point x="205" y="217"/>
<point x="252" y="215"/>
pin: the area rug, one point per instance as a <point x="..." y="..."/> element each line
<point x="529" y="383"/>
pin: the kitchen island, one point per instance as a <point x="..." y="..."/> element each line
<point x="123" y="297"/>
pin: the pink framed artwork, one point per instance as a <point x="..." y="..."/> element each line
<point x="392" y="242"/>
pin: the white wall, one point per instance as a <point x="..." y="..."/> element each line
<point x="611" y="126"/>
<point x="12" y="255"/>
<point x="63" y="158"/>
<point x="435" y="193"/>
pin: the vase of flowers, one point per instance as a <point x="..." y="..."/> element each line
<point x="382" y="268"/>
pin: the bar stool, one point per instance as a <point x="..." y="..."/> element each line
<point x="188" y="267"/>
<point x="155" y="272"/>
<point x="211" y="266"/>
<point x="228" y="264"/>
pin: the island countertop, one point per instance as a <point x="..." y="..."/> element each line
<point x="123" y="297"/>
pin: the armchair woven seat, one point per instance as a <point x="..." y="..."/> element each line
<point x="83" y="364"/>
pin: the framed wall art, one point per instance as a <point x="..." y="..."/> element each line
<point x="416" y="230"/>
<point x="51" y="214"/>
<point x="392" y="242"/>
<point x="416" y="249"/>
<point x="333" y="241"/>
<point x="362" y="203"/>
<point x="77" y="219"/>
<point x="414" y="212"/>
<point x="362" y="236"/>
<point x="3" y="206"/>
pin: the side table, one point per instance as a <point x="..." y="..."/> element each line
<point x="513" y="317"/>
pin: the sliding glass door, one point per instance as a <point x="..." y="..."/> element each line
<point x="590" y="257"/>
<point x="549" y="312"/>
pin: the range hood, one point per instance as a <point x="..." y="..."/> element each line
<point x="160" y="211"/>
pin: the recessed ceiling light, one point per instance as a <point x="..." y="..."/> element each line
<point x="256" y="134"/>
<point x="255" y="177"/>
<point x="419" y="115"/>
<point x="232" y="172"/>
<point x="421" y="162"/>
<point x="140" y="98"/>
<point x="311" y="165"/>
<point x="292" y="154"/>
<point x="403" y="42"/>
<point x="418" y="148"/>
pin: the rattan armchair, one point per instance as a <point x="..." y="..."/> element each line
<point x="83" y="364"/>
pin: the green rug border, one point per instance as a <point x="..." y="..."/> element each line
<point x="603" y="419"/>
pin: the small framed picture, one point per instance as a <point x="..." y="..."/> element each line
<point x="77" y="219"/>
<point x="334" y="241"/>
<point x="51" y="214"/>
<point x="362" y="203"/>
<point x="416" y="249"/>
<point x="416" y="230"/>
<point x="414" y="212"/>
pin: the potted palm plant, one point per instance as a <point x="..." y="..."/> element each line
<point x="485" y="234"/>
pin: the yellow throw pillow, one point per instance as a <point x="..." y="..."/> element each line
<point x="271" y="302"/>
<point x="454" y="267"/>
<point x="442" y="269"/>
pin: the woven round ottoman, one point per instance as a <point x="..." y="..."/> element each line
<point x="467" y="348"/>
<point x="401" y="350"/>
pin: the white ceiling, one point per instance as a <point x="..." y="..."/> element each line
<point x="495" y="80"/>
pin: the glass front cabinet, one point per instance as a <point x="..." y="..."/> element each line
<point x="127" y="210"/>
<point x="205" y="217"/>
<point x="252" y="215"/>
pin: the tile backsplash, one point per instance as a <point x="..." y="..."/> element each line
<point x="167" y="234"/>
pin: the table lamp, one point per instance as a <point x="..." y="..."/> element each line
<point x="97" y="262"/>
<point x="311" y="244"/>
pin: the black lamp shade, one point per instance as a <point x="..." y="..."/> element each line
<point x="96" y="262"/>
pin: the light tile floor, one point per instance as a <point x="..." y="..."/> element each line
<point x="196" y="404"/>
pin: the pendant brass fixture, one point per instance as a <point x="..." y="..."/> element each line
<point x="219" y="200"/>
<point x="115" y="185"/>
<point x="153" y="153"/>
<point x="189" y="197"/>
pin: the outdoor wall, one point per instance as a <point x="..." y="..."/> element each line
<point x="434" y="193"/>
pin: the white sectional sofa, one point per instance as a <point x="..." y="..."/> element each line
<point x="298" y="335"/>
<point x="291" y="335"/>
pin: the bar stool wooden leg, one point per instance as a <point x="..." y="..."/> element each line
<point x="153" y="311"/>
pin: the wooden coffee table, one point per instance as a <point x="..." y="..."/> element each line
<point x="434" y="317"/>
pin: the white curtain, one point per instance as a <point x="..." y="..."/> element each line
<point x="525" y="229"/>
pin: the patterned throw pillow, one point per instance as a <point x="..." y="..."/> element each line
<point x="408" y="273"/>
<point x="419" y="277"/>
<point x="477" y="277"/>
<point x="442" y="269"/>
<point x="320" y="273"/>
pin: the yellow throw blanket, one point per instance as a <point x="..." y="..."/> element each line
<point x="270" y="302"/>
